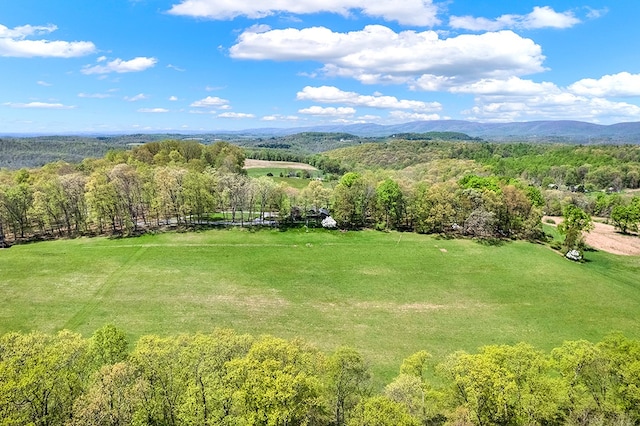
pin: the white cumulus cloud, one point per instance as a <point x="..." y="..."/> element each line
<point x="515" y="99"/>
<point x="546" y="17"/>
<point x="15" y="43"/>
<point x="561" y="107"/>
<point x="513" y="86"/>
<point x="94" y="95"/>
<point x="410" y="12"/>
<point x="378" y="54"/>
<point x="153" y="110"/>
<point x="138" y="97"/>
<point x="540" y="17"/>
<point x="211" y="102"/>
<point x="404" y="116"/>
<point x="279" y="117"/>
<point x="39" y="105"/>
<point x="617" y="85"/>
<point x="328" y="111"/>
<point x="120" y="66"/>
<point x="331" y="94"/>
<point x="235" y="115"/>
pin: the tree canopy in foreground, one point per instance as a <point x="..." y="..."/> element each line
<point x="226" y="378"/>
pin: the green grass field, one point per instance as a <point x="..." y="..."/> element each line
<point x="386" y="294"/>
<point x="295" y="182"/>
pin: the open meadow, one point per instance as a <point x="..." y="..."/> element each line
<point x="386" y="294"/>
<point x="279" y="172"/>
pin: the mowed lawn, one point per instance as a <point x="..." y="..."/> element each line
<point x="386" y="294"/>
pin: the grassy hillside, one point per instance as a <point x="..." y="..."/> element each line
<point x="386" y="294"/>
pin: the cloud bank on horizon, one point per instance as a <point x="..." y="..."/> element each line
<point x="151" y="65"/>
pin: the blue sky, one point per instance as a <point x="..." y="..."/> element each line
<point x="208" y="65"/>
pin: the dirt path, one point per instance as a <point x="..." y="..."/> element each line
<point x="604" y="237"/>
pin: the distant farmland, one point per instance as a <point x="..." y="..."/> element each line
<point x="264" y="164"/>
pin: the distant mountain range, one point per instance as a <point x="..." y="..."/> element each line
<point x="529" y="131"/>
<point x="550" y="131"/>
<point x="22" y="150"/>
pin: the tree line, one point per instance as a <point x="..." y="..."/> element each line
<point x="226" y="378"/>
<point x="190" y="184"/>
<point x="187" y="184"/>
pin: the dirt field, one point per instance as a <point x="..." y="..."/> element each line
<point x="263" y="164"/>
<point x="604" y="237"/>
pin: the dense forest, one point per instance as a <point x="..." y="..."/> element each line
<point x="24" y="152"/>
<point x="224" y="378"/>
<point x="594" y="167"/>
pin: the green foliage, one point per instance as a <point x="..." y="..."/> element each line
<point x="352" y="201"/>
<point x="575" y="222"/>
<point x="348" y="382"/>
<point x="184" y="183"/>
<point x="109" y="345"/>
<point x="349" y="179"/>
<point x="504" y="385"/>
<point x="427" y="136"/>
<point x="390" y="200"/>
<point x="381" y="411"/>
<point x="490" y="183"/>
<point x="17" y="152"/>
<point x="605" y="203"/>
<point x="300" y="144"/>
<point x="415" y="364"/>
<point x="601" y="380"/>
<point x="535" y="196"/>
<point x="594" y="166"/>
<point x="224" y="378"/>
<point x="434" y="210"/>
<point x="276" y="383"/>
<point x="627" y="217"/>
<point x="16" y="201"/>
<point x="115" y="396"/>
<point x="41" y="376"/>
<point x="409" y="391"/>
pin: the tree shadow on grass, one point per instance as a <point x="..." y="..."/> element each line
<point x="443" y="236"/>
<point x="490" y="242"/>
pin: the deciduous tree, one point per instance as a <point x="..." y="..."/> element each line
<point x="381" y="411"/>
<point x="276" y="383"/>
<point x="575" y="222"/>
<point x="503" y="385"/>
<point x="349" y="382"/>
<point x="390" y="200"/>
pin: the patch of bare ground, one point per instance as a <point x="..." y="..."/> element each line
<point x="250" y="163"/>
<point x="605" y="237"/>
<point x="398" y="307"/>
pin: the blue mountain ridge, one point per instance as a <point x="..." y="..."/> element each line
<point x="561" y="131"/>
